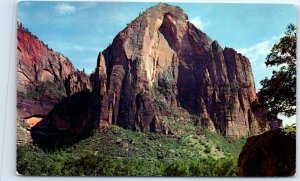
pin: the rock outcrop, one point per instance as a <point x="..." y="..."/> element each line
<point x="161" y="51"/>
<point x="66" y="123"/>
<point x="272" y="153"/>
<point x="44" y="77"/>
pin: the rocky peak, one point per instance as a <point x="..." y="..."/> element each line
<point x="216" y="48"/>
<point x="44" y="77"/>
<point x="161" y="48"/>
<point x="38" y="63"/>
<point x="159" y="62"/>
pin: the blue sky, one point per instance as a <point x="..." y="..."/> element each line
<point x="81" y="30"/>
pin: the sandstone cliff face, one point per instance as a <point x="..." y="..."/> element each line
<point x="162" y="49"/>
<point x="272" y="153"/>
<point x="44" y="77"/>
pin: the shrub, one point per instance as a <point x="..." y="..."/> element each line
<point x="32" y="164"/>
<point x="142" y="167"/>
<point x="93" y="165"/>
<point x="207" y="150"/>
<point x="177" y="168"/>
<point x="203" y="167"/>
<point x="45" y="89"/>
<point x="290" y="130"/>
<point x="165" y="84"/>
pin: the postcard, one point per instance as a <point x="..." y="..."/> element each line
<point x="156" y="89"/>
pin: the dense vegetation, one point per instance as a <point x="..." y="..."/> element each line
<point x="117" y="151"/>
<point x="45" y="89"/>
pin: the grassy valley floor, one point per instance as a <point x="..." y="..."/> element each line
<point x="120" y="152"/>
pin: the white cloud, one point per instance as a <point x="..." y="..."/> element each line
<point x="87" y="5"/>
<point x="259" y="51"/>
<point x="75" y="47"/>
<point x="287" y="120"/>
<point x="198" y="22"/>
<point x="83" y="48"/>
<point x="261" y="66"/>
<point x="64" y="8"/>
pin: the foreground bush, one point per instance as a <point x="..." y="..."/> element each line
<point x="203" y="167"/>
<point x="33" y="161"/>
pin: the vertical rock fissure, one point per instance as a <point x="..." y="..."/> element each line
<point x="201" y="77"/>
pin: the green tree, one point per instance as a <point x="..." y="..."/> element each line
<point x="278" y="93"/>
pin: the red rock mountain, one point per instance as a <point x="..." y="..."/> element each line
<point x="161" y="57"/>
<point x="158" y="64"/>
<point x="44" y="77"/>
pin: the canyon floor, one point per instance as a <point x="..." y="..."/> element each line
<point x="187" y="149"/>
<point x="120" y="152"/>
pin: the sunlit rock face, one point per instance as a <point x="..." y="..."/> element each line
<point x="162" y="45"/>
<point x="44" y="77"/>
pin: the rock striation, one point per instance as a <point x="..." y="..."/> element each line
<point x="161" y="51"/>
<point x="44" y="77"/>
<point x="159" y="62"/>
